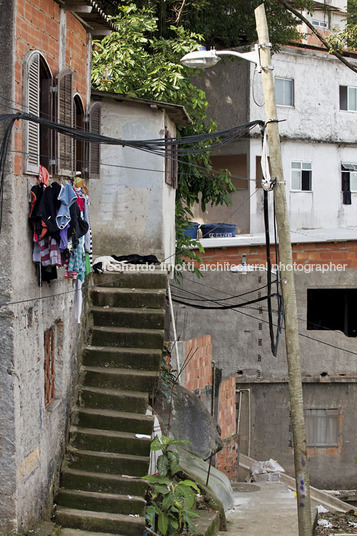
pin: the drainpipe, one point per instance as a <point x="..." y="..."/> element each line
<point x="173" y="328"/>
<point x="237" y="432"/>
<point x="249" y="417"/>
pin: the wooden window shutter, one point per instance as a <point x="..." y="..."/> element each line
<point x="32" y="105"/>
<point x="65" y="117"/>
<point x="94" y="148"/>
<point x="171" y="162"/>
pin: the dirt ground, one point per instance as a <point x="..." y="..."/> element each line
<point x="336" y="523"/>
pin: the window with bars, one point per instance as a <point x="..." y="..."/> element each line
<point x="322" y="427"/>
<point x="171" y="162"/>
<point x="49" y="366"/>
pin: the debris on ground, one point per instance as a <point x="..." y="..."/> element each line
<point x="331" y="523"/>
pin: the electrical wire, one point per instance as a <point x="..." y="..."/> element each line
<point x="244" y="313"/>
<point x="222" y="308"/>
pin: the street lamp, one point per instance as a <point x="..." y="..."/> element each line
<point x="262" y="55"/>
<point x="202" y="59"/>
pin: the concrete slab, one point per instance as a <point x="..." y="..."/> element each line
<point x="270" y="510"/>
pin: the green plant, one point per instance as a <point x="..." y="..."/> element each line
<point x="171" y="500"/>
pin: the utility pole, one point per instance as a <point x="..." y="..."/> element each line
<point x="287" y="282"/>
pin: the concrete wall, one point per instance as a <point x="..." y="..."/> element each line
<point x="32" y="437"/>
<point x="133" y="210"/>
<point x="241" y="347"/>
<point x="7" y="410"/>
<point x="313" y="130"/>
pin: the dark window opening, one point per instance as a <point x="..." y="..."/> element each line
<point x="78" y="145"/>
<point x="306" y="180"/>
<point x="46" y="112"/>
<point x="332" y="309"/>
<point x="343" y="97"/>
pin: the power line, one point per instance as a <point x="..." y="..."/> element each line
<point x="275" y="325"/>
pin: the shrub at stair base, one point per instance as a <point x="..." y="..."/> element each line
<point x="171" y="502"/>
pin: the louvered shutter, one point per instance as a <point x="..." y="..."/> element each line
<point x="94" y="148"/>
<point x="65" y="117"/>
<point x="32" y="103"/>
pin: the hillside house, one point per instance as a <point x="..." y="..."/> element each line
<point x="316" y="106"/>
<point x="45" y="64"/>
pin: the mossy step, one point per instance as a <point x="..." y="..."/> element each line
<point x="127" y="337"/>
<point x="147" y="278"/>
<point x="100" y="521"/>
<point x="109" y="441"/>
<point x="107" y="462"/>
<point x="124" y="297"/>
<point x="132" y="358"/>
<point x="101" y="502"/>
<point x="116" y="378"/>
<point x="102" y="482"/>
<point x="128" y="317"/>
<point x="108" y="419"/>
<point x="116" y="399"/>
<point x="78" y="532"/>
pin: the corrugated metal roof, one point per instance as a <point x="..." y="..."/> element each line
<point x="176" y="112"/>
<point x="92" y="16"/>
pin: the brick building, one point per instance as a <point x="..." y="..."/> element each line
<point x="45" y="64"/>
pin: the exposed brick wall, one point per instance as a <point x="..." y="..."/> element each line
<point x="312" y="253"/>
<point x="198" y="356"/>
<point x="227" y="407"/>
<point x="227" y="419"/>
<point x="38" y="28"/>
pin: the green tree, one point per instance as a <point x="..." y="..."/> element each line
<point x="223" y="23"/>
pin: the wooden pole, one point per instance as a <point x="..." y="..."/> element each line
<point x="287" y="282"/>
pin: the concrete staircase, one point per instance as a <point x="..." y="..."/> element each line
<point x="101" y="487"/>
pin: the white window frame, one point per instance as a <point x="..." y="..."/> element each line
<point x="300" y="166"/>
<point x="291" y="92"/>
<point x="349" y="90"/>
<point x="320" y="24"/>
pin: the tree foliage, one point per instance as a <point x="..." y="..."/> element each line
<point x="223" y="23"/>
<point x="341" y="40"/>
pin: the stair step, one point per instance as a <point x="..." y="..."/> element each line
<point x="127" y="337"/>
<point x="128" y="317"/>
<point x="116" y="378"/>
<point x="96" y="397"/>
<point x="78" y="532"/>
<point x="123" y="297"/>
<point x="133" y="358"/>
<point x="107" y="462"/>
<point x="102" y="482"/>
<point x="107" y="419"/>
<point x="101" y="502"/>
<point x="100" y="521"/>
<point x="152" y="279"/>
<point x="109" y="441"/>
